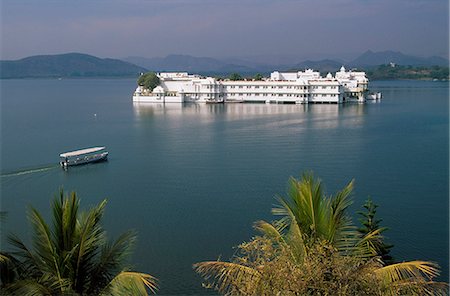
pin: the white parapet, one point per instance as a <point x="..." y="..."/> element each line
<point x="157" y="99"/>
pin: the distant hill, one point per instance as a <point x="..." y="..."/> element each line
<point x="186" y="63"/>
<point x="67" y="65"/>
<point x="211" y="66"/>
<point x="83" y="65"/>
<point x="370" y="58"/>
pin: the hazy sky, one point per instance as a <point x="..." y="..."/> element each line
<point x="226" y="28"/>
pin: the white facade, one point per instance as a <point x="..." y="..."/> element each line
<point x="282" y="87"/>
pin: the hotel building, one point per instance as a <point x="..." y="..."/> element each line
<point x="301" y="87"/>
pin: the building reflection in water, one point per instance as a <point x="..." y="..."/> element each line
<point x="325" y="116"/>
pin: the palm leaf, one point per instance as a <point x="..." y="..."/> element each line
<point x="111" y="259"/>
<point x="65" y="218"/>
<point x="296" y="243"/>
<point x="227" y="277"/>
<point x="43" y="244"/>
<point x="268" y="230"/>
<point x="26" y="288"/>
<point x="415" y="270"/>
<point x="418" y="287"/>
<point x="32" y="263"/>
<point x="339" y="224"/>
<point x="131" y="283"/>
<point x="91" y="238"/>
<point x="366" y="246"/>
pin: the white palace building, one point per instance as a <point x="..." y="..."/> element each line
<point x="282" y="87"/>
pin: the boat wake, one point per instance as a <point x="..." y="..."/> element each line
<point x="30" y="171"/>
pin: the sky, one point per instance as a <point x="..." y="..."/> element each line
<point x="224" y="28"/>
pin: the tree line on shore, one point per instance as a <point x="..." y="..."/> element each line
<point x="312" y="248"/>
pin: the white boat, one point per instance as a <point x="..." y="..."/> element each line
<point x="213" y="101"/>
<point x="374" y="96"/>
<point x="83" y="156"/>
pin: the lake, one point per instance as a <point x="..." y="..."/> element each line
<point x="191" y="179"/>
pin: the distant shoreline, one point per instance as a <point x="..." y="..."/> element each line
<point x="136" y="76"/>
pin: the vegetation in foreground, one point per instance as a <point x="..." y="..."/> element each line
<point x="72" y="256"/>
<point x="314" y="249"/>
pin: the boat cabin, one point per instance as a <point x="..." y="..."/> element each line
<point x="83" y="156"/>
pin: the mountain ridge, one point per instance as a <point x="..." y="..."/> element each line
<point x="67" y="65"/>
<point x="84" y="65"/>
<point x="370" y="58"/>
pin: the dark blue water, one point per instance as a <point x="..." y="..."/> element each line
<point x="192" y="179"/>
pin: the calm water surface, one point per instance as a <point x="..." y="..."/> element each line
<point x="192" y="179"/>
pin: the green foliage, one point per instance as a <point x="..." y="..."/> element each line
<point x="317" y="216"/>
<point x="387" y="72"/>
<point x="314" y="249"/>
<point x="370" y="224"/>
<point x="235" y="76"/>
<point x="258" y="77"/>
<point x="262" y="267"/>
<point x="72" y="256"/>
<point x="148" y="80"/>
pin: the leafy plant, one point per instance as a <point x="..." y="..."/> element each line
<point x="369" y="224"/>
<point x="314" y="249"/>
<point x="148" y="80"/>
<point x="71" y="256"/>
<point x="235" y="76"/>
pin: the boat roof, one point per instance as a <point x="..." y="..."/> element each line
<point x="81" y="151"/>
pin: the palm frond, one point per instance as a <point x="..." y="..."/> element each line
<point x="91" y="238"/>
<point x="32" y="263"/>
<point x="43" y="244"/>
<point x="415" y="270"/>
<point x="131" y="283"/>
<point x="268" y="230"/>
<point x="65" y="214"/>
<point x="294" y="239"/>
<point x="227" y="277"/>
<point x="406" y="287"/>
<point x="111" y="259"/>
<point x="339" y="221"/>
<point x="366" y="245"/>
<point x="9" y="269"/>
<point x="26" y="288"/>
